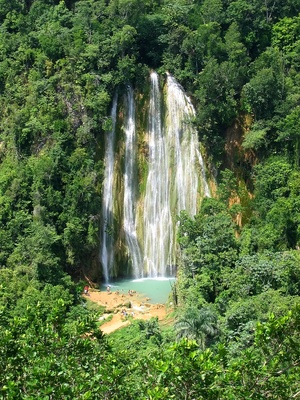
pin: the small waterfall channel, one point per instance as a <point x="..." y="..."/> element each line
<point x="183" y="145"/>
<point x="107" y="248"/>
<point x="130" y="184"/>
<point x="175" y="180"/>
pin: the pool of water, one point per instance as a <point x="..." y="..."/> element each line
<point x="156" y="289"/>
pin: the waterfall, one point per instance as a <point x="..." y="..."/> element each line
<point x="158" y="229"/>
<point x="107" y="249"/>
<point x="183" y="143"/>
<point x="173" y="180"/>
<point x="130" y="183"/>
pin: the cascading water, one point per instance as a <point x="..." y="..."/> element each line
<point x="107" y="249"/>
<point x="158" y="226"/>
<point x="175" y="169"/>
<point x="130" y="183"/>
<point x="183" y="145"/>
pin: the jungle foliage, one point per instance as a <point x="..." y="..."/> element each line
<point x="236" y="334"/>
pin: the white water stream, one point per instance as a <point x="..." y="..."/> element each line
<point x="158" y="225"/>
<point x="183" y="143"/>
<point x="130" y="185"/>
<point x="107" y="248"/>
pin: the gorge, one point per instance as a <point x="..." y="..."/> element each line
<point x="154" y="169"/>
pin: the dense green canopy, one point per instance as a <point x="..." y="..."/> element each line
<point x="239" y="263"/>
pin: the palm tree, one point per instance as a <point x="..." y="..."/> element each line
<point x="199" y="325"/>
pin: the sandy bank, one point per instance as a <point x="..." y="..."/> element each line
<point x="117" y="303"/>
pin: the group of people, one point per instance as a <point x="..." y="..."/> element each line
<point x="108" y="289"/>
<point x="125" y="313"/>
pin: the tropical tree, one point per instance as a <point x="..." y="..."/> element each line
<point x="197" y="324"/>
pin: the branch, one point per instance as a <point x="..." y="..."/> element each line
<point x="88" y="280"/>
<point x="282" y="371"/>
